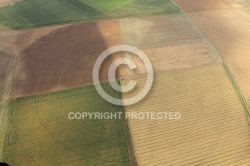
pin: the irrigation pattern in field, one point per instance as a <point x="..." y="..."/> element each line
<point x="41" y="133"/>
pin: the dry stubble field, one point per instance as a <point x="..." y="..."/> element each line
<point x="212" y="130"/>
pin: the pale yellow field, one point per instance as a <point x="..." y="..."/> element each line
<point x="213" y="128"/>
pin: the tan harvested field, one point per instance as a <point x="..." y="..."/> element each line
<point x="169" y="41"/>
<point x="8" y="2"/>
<point x="17" y="41"/>
<point x="60" y="60"/>
<point x="213" y="129"/>
<point x="206" y="5"/>
<point x="229" y="31"/>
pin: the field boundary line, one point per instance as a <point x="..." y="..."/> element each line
<point x="127" y="130"/>
<point x="6" y="96"/>
<point x="224" y="63"/>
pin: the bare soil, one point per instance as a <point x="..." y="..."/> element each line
<point x="60" y="60"/>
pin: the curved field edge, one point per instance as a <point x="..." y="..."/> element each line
<point x="107" y="5"/>
<point x="40" y="131"/>
<point x="34" y="13"/>
<point x="6" y="75"/>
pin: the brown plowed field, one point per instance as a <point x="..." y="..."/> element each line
<point x="170" y="42"/>
<point x="206" y="5"/>
<point x="229" y="31"/>
<point x="17" y="41"/>
<point x="60" y="60"/>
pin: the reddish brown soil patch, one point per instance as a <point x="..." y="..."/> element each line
<point x="61" y="60"/>
<point x="201" y="5"/>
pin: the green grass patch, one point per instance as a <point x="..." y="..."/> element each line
<point x="106" y="5"/>
<point x="145" y="7"/>
<point x="35" y="13"/>
<point x="41" y="132"/>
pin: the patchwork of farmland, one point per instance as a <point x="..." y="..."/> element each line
<point x="53" y="77"/>
<point x="40" y="132"/>
<point x="231" y="40"/>
<point x="169" y="41"/>
<point x="33" y="13"/>
<point x="228" y="30"/>
<point x="213" y="129"/>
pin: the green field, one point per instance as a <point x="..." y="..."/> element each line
<point x="34" y="13"/>
<point x="40" y="131"/>
<point x="106" y="5"/>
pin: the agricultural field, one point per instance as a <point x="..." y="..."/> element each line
<point x="17" y="41"/>
<point x="34" y="13"/>
<point x="169" y="41"/>
<point x="6" y="64"/>
<point x="56" y="44"/>
<point x="40" y="132"/>
<point x="107" y="5"/>
<point x="231" y="36"/>
<point x="208" y="5"/>
<point x="5" y="60"/>
<point x="212" y="130"/>
<point x="62" y="59"/>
